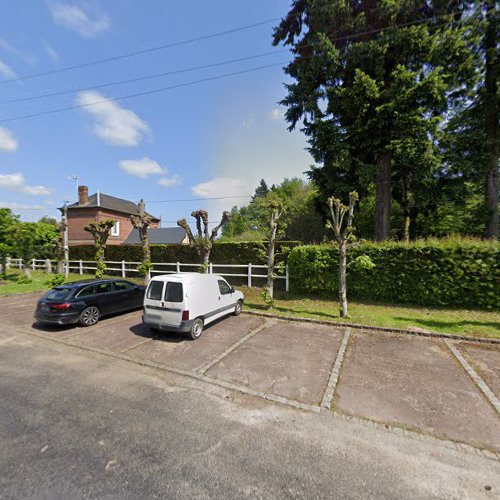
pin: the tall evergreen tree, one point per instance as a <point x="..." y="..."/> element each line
<point x="370" y="77"/>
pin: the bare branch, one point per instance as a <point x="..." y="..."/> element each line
<point x="183" y="223"/>
<point x="225" y="218"/>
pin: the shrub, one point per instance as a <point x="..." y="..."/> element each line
<point x="58" y="279"/>
<point x="451" y="272"/>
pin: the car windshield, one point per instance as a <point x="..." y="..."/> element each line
<point x="58" y="294"/>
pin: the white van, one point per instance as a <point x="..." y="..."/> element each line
<point x="187" y="302"/>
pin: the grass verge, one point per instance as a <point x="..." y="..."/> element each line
<point x="458" y="321"/>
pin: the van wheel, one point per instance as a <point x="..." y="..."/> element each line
<point x="237" y="308"/>
<point x="196" y="329"/>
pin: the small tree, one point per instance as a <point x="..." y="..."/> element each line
<point x="100" y="232"/>
<point x="344" y="235"/>
<point x="203" y="242"/>
<point x="275" y="209"/>
<point x="142" y="222"/>
<point x="62" y="226"/>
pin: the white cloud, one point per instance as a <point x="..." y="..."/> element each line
<point x="221" y="187"/>
<point x="7" y="141"/>
<point x="17" y="183"/>
<point x="115" y="125"/>
<point x="6" y="70"/>
<point x="170" y="181"/>
<point x="53" y="54"/>
<point x="79" y="19"/>
<point x="277" y="114"/>
<point x="142" y="168"/>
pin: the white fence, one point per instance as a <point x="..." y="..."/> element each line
<point x="124" y="269"/>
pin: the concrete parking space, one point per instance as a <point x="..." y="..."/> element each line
<point x="287" y="359"/>
<point x="415" y="382"/>
<point x="486" y="361"/>
<point x="403" y="380"/>
<point x="177" y="351"/>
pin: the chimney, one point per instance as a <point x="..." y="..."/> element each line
<point x="83" y="195"/>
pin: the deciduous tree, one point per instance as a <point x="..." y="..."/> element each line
<point x="203" y="241"/>
<point x="100" y="232"/>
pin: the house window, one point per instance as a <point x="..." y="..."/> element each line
<point x="115" y="230"/>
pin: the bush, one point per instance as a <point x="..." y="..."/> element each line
<point x="453" y="272"/>
<point x="57" y="280"/>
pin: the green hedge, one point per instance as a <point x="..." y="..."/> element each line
<point x="429" y="273"/>
<point x="243" y="252"/>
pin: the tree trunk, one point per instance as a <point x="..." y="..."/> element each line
<point x="342" y="280"/>
<point x="26" y="269"/>
<point x="4" y="266"/>
<point x="383" y="197"/>
<point x="270" y="258"/>
<point x="491" y="122"/>
<point x="205" y="260"/>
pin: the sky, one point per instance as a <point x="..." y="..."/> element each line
<point x="193" y="140"/>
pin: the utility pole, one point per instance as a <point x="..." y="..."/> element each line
<point x="65" y="241"/>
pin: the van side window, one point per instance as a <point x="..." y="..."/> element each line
<point x="224" y="288"/>
<point x="174" y="292"/>
<point x="155" y="290"/>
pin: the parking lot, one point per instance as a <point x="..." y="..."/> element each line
<point x="446" y="388"/>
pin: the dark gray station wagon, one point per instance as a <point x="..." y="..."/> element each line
<point x="85" y="302"/>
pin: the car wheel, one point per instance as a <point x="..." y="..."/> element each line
<point x="237" y="308"/>
<point x="89" y="316"/>
<point x="196" y="329"/>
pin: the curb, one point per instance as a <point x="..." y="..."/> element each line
<point x="449" y="336"/>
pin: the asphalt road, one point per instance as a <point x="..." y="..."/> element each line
<point x="74" y="424"/>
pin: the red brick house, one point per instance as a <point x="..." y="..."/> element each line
<point x="99" y="207"/>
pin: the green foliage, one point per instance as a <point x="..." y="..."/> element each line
<point x="22" y="279"/>
<point x="57" y="279"/>
<point x="301" y="220"/>
<point x="267" y="298"/>
<point x="143" y="268"/>
<point x="31" y="240"/>
<point x="222" y="252"/>
<point x="453" y="272"/>
<point x="203" y="268"/>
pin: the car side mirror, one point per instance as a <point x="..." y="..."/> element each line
<point x="232" y="289"/>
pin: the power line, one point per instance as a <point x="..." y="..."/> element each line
<point x="139" y="94"/>
<point x="146" y="77"/>
<point x="142" y="51"/>
<point x="186" y="84"/>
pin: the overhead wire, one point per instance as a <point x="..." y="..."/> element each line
<point x="141" y="51"/>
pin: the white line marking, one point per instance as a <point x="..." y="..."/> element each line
<point x="204" y="368"/>
<point x="326" y="403"/>
<point x="475" y="377"/>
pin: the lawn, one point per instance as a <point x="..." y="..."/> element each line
<point x="456" y="321"/>
<point x="40" y="281"/>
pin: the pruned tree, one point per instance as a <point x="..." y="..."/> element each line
<point x="275" y="226"/>
<point x="61" y="227"/>
<point x="343" y="231"/>
<point x="203" y="241"/>
<point x="142" y="222"/>
<point x="100" y="232"/>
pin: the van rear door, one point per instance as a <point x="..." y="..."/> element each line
<point x="153" y="302"/>
<point x="173" y="303"/>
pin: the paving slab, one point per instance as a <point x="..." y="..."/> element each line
<point x="287" y="359"/>
<point x="177" y="351"/>
<point x="113" y="334"/>
<point x="417" y="383"/>
<point x="485" y="359"/>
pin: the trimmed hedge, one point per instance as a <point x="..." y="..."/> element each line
<point x="241" y="252"/>
<point x="462" y="273"/>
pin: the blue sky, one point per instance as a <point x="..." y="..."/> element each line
<point x="216" y="138"/>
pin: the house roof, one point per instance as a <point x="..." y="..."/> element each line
<point x="161" y="235"/>
<point x="111" y="203"/>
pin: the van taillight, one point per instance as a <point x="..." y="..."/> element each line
<point x="185" y="315"/>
